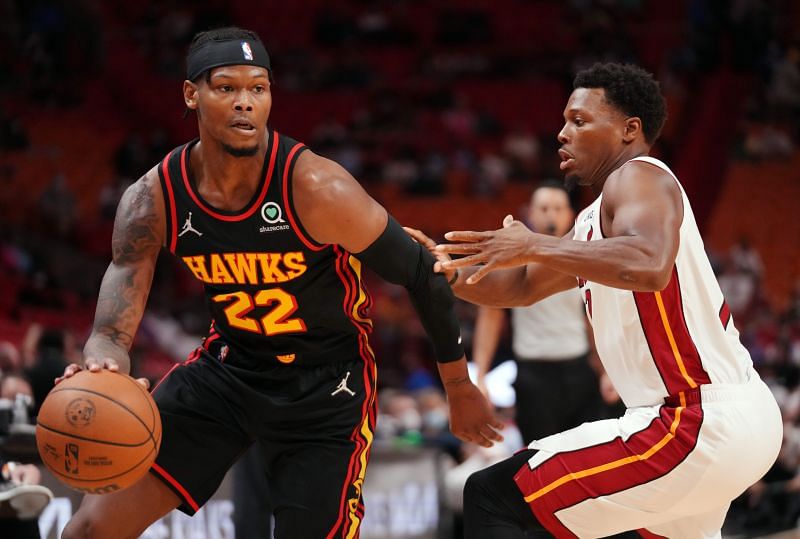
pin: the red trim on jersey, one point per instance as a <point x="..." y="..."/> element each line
<point x="210" y="339"/>
<point x="362" y="443"/>
<point x="194" y="356"/>
<point x="571" y="477"/>
<point x="310" y="243"/>
<point x="725" y="314"/>
<point x="680" y="366"/>
<point x="255" y="205"/>
<point x="172" y="241"/>
<point x="165" y="376"/>
<point x="172" y="481"/>
<point x="647" y="534"/>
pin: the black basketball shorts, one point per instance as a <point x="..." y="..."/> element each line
<point x="315" y="423"/>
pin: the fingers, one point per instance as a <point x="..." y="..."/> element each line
<point x="476" y="438"/>
<point x="480" y="273"/>
<point x="491" y="434"/>
<point x="69" y="371"/>
<point x="144" y="381"/>
<point x="484" y="442"/>
<point x="485" y="435"/>
<point x="467" y="236"/>
<point x="420" y="237"/>
<point x="96" y="365"/>
<point x="465" y="262"/>
<point x="508" y="221"/>
<point x="497" y="424"/>
<point x="458" y="248"/>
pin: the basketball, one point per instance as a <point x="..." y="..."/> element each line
<point x="98" y="432"/>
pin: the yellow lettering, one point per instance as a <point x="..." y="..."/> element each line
<point x="286" y="358"/>
<point x="269" y="267"/>
<point x="219" y="274"/>
<point x="197" y="265"/>
<point x="295" y="263"/>
<point x="243" y="267"/>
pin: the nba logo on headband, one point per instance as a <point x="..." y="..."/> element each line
<point x="248" y="52"/>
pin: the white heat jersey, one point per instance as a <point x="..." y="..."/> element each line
<point x="655" y="344"/>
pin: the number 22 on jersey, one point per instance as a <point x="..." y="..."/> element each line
<point x="275" y="322"/>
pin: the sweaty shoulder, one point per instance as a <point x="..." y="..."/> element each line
<point x="641" y="184"/>
<point x="139" y="226"/>
<point x="332" y="205"/>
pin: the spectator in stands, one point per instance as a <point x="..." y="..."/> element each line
<point x="58" y="207"/>
<point x="10" y="359"/>
<point x="12" y="133"/>
<point x="784" y="87"/>
<point x="521" y="148"/>
<point x="45" y="352"/>
<point x="22" y="499"/>
<point x="13" y="384"/>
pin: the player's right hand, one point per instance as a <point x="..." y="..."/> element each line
<point x="421" y="238"/>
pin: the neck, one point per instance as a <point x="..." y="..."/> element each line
<point x="226" y="178"/>
<point x="634" y="150"/>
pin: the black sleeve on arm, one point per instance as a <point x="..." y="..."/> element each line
<point x="400" y="260"/>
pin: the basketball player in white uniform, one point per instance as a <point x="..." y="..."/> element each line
<point x="700" y="425"/>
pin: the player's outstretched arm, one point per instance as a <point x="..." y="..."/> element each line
<point x="516" y="286"/>
<point x="641" y="216"/>
<point x="139" y="230"/>
<point x="335" y="209"/>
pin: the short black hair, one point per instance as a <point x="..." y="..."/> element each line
<point x="551" y="183"/>
<point x="630" y="89"/>
<point x="226" y="33"/>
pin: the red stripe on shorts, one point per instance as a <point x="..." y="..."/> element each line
<point x="571" y="477"/>
<point x="174" y="482"/>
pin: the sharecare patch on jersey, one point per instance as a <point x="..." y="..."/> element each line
<point x="248" y="52"/>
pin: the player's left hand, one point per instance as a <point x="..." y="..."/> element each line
<point x="472" y="418"/>
<point x="441" y="257"/>
<point x="504" y="248"/>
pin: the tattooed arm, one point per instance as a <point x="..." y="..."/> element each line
<point x="139" y="231"/>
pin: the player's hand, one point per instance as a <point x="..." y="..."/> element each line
<point x="441" y="257"/>
<point x="96" y="365"/>
<point x="472" y="418"/>
<point x="495" y="249"/>
<point x="481" y="383"/>
<point x="22" y="474"/>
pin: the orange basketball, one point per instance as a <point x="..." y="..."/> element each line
<point x="98" y="432"/>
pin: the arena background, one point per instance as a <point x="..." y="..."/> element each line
<point x="447" y="112"/>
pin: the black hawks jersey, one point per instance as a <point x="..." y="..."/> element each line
<point x="275" y="295"/>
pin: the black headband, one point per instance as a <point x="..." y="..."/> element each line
<point x="226" y="53"/>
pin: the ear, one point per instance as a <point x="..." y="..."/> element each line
<point x="633" y="128"/>
<point x="190" y="94"/>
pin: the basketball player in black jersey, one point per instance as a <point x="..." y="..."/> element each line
<point x="278" y="236"/>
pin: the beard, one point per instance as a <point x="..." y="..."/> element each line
<point x="240" y="152"/>
<point x="570" y="181"/>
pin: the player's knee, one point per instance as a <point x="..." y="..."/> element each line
<point x="76" y="528"/>
<point x="83" y="526"/>
<point x="476" y="488"/>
